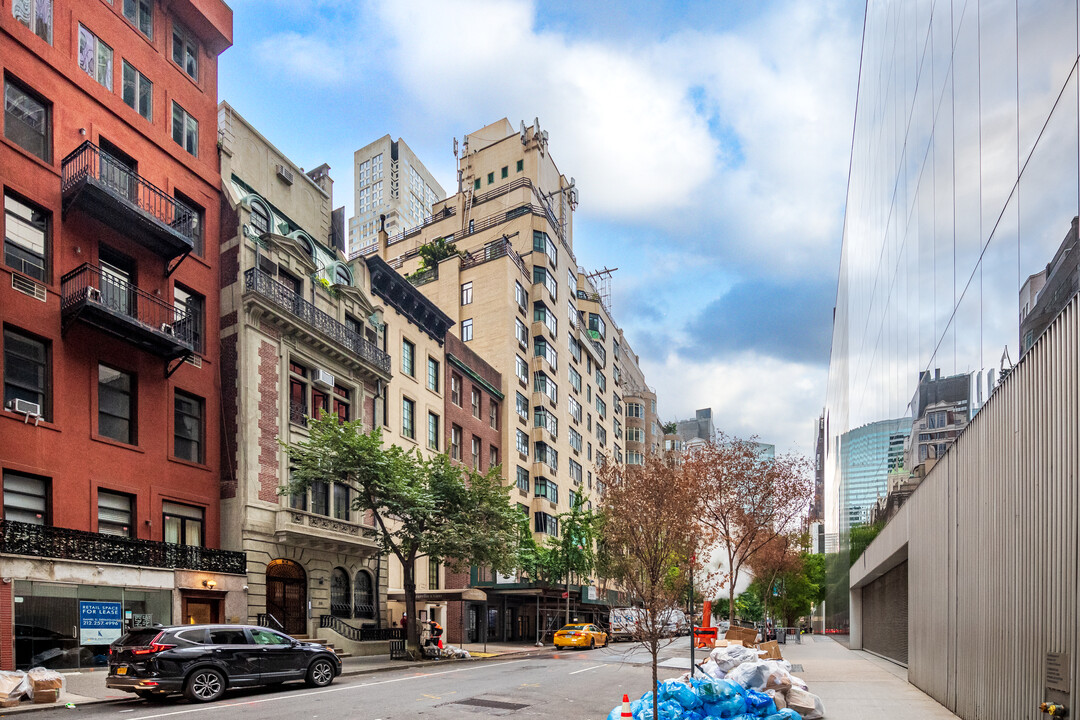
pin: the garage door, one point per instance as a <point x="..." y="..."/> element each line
<point x="885" y="615"/>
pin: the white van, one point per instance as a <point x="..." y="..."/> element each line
<point x="623" y="623"/>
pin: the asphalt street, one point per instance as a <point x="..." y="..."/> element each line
<point x="570" y="685"/>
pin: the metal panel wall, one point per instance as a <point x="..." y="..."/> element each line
<point x="992" y="543"/>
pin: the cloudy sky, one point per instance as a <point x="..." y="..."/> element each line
<point x="710" y="142"/>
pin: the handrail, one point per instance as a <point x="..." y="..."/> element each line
<point x="88" y="283"/>
<point x="365" y="633"/>
<point x="264" y="619"/>
<point x="284" y="297"/>
<point x="492" y="251"/>
<point x="88" y="161"/>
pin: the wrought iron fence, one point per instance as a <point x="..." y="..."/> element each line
<point x="89" y="283"/>
<point x="88" y="161"/>
<point x="360" y="634"/>
<point x="257" y="281"/>
<point x="18" y="538"/>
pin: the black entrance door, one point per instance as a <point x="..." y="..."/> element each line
<point x="286" y="595"/>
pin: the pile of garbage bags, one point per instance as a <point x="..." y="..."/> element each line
<point x="446" y="653"/>
<point x="737" y="685"/>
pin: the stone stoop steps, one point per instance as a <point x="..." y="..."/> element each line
<point x="328" y="645"/>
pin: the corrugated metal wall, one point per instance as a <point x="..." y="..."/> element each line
<point x="885" y="615"/>
<point x="992" y="543"/>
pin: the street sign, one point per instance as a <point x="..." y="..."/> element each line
<point x="100" y="623"/>
<point x="565" y="594"/>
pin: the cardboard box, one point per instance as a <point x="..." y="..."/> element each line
<point x="46" y="696"/>
<point x="772" y="650"/>
<point x="45" y="679"/>
<point x="10" y="702"/>
<point x="748" y="636"/>
<point x="8" y="683"/>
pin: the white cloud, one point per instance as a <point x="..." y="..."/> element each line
<point x="623" y="125"/>
<point x="305" y="58"/>
<point x="749" y="395"/>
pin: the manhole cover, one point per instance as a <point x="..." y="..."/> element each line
<point x="493" y="704"/>
<point x="796" y="667"/>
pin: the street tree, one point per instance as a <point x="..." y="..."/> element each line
<point x="420" y="506"/>
<point x="650" y="535"/>
<point x="776" y="559"/>
<point x="749" y="499"/>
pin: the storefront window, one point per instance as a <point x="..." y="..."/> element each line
<point x="54" y="629"/>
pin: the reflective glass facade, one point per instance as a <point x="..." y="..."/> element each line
<point x="963" y="185"/>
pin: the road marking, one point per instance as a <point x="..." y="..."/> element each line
<point x="587" y="669"/>
<point x="279" y="698"/>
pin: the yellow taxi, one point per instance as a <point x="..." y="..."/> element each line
<point x="581" y="635"/>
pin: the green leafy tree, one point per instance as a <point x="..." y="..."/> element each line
<point x="748" y="606"/>
<point x="796" y="591"/>
<point x="860" y="538"/>
<point x="434" y="252"/>
<point x="421" y="507"/>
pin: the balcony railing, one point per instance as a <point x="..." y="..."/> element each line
<point x="45" y="541"/>
<point x="260" y="283"/>
<point x="493" y="251"/>
<point x="112" y="304"/>
<point x="360" y="634"/>
<point x="119" y="197"/>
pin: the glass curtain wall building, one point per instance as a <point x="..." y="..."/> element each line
<point x="963" y="186"/>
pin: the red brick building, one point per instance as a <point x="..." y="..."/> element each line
<point x="109" y="430"/>
<point x="472" y="414"/>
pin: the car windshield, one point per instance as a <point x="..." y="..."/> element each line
<point x="574" y="627"/>
<point x="138" y="637"/>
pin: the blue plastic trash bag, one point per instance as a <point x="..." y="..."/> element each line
<point x="636" y="706"/>
<point x="692" y="715"/>
<point x="785" y="714"/>
<point x="645" y="713"/>
<point x="685" y="696"/>
<point x="667" y="689"/>
<point x="759" y="704"/>
<point x="646" y="699"/>
<point x="670" y="710"/>
<point x="616" y="713"/>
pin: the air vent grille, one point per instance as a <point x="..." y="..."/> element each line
<point x="28" y="287"/>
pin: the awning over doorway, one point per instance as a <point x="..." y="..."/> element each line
<point x="442" y="596"/>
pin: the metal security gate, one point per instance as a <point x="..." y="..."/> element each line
<point x="885" y="614"/>
<point x="286" y="595"/>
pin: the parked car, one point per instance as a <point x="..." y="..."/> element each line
<point x="581" y="635"/>
<point x="202" y="661"/>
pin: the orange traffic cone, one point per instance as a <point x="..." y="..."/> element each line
<point x="626" y="707"/>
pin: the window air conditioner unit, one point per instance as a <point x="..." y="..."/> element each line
<point x="25" y="407"/>
<point x="324" y="379"/>
<point x="167" y="329"/>
<point x="285" y="174"/>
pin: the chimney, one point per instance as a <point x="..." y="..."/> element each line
<point x="937" y="373"/>
<point x="383" y="237"/>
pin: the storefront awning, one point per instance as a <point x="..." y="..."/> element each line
<point x="442" y="596"/>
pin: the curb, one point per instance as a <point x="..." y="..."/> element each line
<point x="414" y="665"/>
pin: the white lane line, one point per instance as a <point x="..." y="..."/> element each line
<point x="279" y="698"/>
<point x="587" y="669"/>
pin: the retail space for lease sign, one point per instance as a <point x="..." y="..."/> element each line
<point x="100" y="623"/>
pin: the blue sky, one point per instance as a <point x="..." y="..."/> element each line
<point x="710" y="143"/>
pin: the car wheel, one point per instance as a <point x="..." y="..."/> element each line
<point x="205" y="685"/>
<point x="320" y="674"/>
<point x="592" y="643"/>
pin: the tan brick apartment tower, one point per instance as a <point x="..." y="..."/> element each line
<point x="109" y="440"/>
<point x="520" y="302"/>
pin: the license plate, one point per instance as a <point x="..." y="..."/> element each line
<point x="121" y="671"/>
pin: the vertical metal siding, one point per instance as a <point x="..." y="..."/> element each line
<point x="992" y="536"/>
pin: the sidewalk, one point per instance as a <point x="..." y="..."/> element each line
<point x="82" y="687"/>
<point x="855" y="685"/>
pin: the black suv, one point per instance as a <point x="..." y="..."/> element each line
<point x="203" y="660"/>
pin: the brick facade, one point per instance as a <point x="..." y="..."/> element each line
<point x="462" y="415"/>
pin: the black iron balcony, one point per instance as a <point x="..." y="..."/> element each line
<point x="285" y="298"/>
<point x="18" y="538"/>
<point x="107" y="189"/>
<point x="113" y="305"/>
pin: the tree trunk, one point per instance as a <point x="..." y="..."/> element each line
<point x="412" y="627"/>
<point x="654" y="650"/>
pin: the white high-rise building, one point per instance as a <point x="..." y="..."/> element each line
<point x="389" y="180"/>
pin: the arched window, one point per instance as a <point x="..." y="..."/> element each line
<point x="340" y="595"/>
<point x="342" y="276"/>
<point x="364" y="596"/>
<point x="260" y="218"/>
<point x="306" y="244"/>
